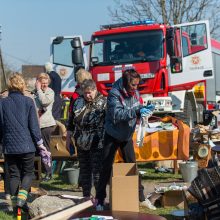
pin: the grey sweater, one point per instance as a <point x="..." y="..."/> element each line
<point x="44" y="101"/>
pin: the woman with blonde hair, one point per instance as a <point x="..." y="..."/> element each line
<point x="20" y="134"/>
<point x="81" y="75"/>
<point x="44" y="101"/>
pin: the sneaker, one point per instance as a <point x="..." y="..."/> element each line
<point x="7" y="196"/>
<point x="99" y="207"/>
<point x="47" y="178"/>
<point x="94" y="201"/>
<point x="20" y="203"/>
<point x="160" y="170"/>
<point x="146" y="203"/>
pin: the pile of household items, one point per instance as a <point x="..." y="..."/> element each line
<point x="205" y="188"/>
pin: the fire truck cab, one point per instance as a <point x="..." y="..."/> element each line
<point x="171" y="61"/>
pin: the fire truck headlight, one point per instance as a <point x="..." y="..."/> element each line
<point x="168" y="103"/>
<point x="156" y="103"/>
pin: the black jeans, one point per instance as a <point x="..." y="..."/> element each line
<point x="21" y="171"/>
<point x="90" y="165"/>
<point x="111" y="145"/>
<point x="6" y="178"/>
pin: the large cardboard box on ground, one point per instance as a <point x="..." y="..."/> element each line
<point x="173" y="198"/>
<point x="124" y="194"/>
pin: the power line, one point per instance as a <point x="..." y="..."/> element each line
<point x="18" y="58"/>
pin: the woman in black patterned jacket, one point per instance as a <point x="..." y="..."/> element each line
<point x="88" y="122"/>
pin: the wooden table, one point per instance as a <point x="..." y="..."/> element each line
<point x="119" y="215"/>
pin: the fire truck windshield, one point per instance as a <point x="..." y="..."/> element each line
<point x="132" y="47"/>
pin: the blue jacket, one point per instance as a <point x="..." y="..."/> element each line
<point x="122" y="112"/>
<point x="55" y="83"/>
<point x="19" y="128"/>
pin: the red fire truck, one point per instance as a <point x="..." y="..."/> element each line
<point x="171" y="60"/>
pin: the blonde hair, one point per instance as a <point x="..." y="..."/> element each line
<point x="81" y="75"/>
<point x="43" y="76"/>
<point x="16" y="82"/>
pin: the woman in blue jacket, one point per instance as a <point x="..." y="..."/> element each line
<point x="124" y="107"/>
<point x="20" y="134"/>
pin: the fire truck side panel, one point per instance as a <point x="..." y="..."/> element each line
<point x="213" y="85"/>
<point x="196" y="55"/>
<point x="61" y="57"/>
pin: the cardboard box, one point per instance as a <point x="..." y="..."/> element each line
<point x="173" y="198"/>
<point x="124" y="190"/>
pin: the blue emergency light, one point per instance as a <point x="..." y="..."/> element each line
<point x="147" y="21"/>
<point x="126" y="24"/>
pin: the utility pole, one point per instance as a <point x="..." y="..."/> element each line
<point x="2" y="70"/>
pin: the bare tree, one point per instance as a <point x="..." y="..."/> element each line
<point x="168" y="11"/>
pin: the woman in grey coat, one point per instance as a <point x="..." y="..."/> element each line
<point x="44" y="101"/>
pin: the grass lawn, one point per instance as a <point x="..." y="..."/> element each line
<point x="151" y="176"/>
<point x="5" y="216"/>
<point x="157" y="177"/>
<point x="59" y="184"/>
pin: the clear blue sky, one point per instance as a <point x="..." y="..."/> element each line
<point x="28" y="25"/>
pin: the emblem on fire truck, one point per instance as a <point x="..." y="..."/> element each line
<point x="195" y="60"/>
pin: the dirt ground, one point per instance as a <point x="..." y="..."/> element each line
<point x="148" y="188"/>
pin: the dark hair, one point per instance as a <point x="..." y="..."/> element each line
<point x="88" y="84"/>
<point x="128" y="75"/>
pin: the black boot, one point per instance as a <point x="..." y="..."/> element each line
<point x="25" y="208"/>
<point x="22" y="197"/>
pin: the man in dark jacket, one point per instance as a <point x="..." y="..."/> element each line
<point x="55" y="84"/>
<point x="124" y="106"/>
